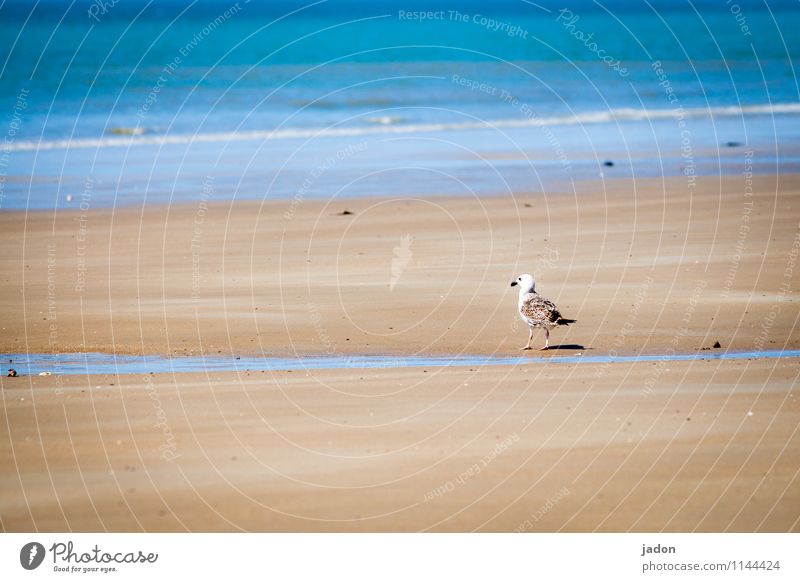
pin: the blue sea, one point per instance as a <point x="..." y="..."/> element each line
<point x="132" y="102"/>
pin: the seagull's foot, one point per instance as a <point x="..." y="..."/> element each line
<point x="544" y="349"/>
<point x="522" y="349"/>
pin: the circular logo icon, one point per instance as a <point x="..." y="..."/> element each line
<point x="31" y="555"/>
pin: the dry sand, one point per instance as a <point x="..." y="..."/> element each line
<point x="652" y="266"/>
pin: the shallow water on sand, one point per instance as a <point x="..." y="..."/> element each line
<point x="97" y="363"/>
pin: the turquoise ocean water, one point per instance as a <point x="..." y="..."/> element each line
<point x="133" y="102"/>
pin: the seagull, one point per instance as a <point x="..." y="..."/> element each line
<point x="537" y="311"/>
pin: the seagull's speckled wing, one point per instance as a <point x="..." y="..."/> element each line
<point x="538" y="311"/>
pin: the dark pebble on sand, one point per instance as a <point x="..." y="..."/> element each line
<point x="345" y="213"/>
<point x="717" y="345"/>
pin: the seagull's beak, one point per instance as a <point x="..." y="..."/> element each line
<point x="513" y="283"/>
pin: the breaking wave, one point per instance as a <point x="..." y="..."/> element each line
<point x="389" y="125"/>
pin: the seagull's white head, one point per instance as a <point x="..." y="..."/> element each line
<point x="525" y="282"/>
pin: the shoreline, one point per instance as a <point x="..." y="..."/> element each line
<point x="92" y="364"/>
<point x="554" y="184"/>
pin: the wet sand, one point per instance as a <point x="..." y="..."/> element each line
<point x="626" y="447"/>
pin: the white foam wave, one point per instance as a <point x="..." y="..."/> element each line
<point x="384" y="120"/>
<point x="611" y="115"/>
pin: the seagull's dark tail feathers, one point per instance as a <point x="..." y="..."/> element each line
<point x="565" y="321"/>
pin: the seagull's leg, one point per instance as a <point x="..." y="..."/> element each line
<point x="546" y="340"/>
<point x="530" y="339"/>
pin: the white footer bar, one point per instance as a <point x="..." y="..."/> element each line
<point x="389" y="557"/>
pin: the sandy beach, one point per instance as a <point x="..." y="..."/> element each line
<point x="645" y="266"/>
<point x="650" y="266"/>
